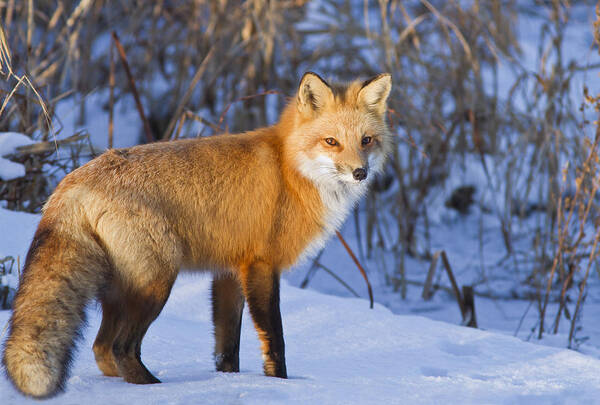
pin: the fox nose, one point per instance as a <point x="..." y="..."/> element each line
<point x="359" y="174"/>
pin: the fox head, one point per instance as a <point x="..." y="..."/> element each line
<point x="340" y="136"/>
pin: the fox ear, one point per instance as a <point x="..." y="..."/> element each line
<point x="313" y="93"/>
<point x="375" y="91"/>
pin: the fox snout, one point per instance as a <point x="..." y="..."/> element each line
<point x="359" y="174"/>
<point x="352" y="173"/>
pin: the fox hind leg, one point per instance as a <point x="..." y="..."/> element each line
<point x="109" y="328"/>
<point x="141" y="308"/>
<point x="228" y="305"/>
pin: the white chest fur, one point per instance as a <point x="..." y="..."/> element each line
<point x="338" y="198"/>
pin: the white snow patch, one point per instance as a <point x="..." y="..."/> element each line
<point x="9" y="142"/>
<point x="16" y="233"/>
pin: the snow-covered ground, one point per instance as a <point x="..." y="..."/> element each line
<point x="338" y="352"/>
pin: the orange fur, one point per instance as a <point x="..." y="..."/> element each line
<point x="245" y="206"/>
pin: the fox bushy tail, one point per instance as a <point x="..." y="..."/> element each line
<point x="63" y="271"/>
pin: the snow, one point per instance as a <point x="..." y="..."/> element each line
<point x="16" y="233"/>
<point x="338" y="351"/>
<point x="9" y="142"/>
<point x="10" y="170"/>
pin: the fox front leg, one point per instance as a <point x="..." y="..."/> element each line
<point x="260" y="283"/>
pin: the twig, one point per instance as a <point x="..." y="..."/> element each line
<point x="457" y="32"/>
<point x="523" y="318"/>
<point x="338" y="278"/>
<point x="426" y="295"/>
<point x="467" y="310"/>
<point x="47" y="146"/>
<point x="360" y="267"/>
<point x="317" y="265"/>
<point x="136" y="96"/>
<point x="411" y="140"/>
<point x="312" y="269"/>
<point x="228" y="106"/>
<point x="469" y="317"/>
<point x="410" y="29"/>
<point x="5" y="57"/>
<point x="361" y="252"/>
<point x="562" y="299"/>
<point x="582" y="287"/>
<point x="180" y="126"/>
<point x="459" y="297"/>
<point x="186" y="97"/>
<point x="30" y="29"/>
<point x="111" y="95"/>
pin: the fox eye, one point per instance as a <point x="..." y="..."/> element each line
<point x="331" y="141"/>
<point x="366" y="140"/>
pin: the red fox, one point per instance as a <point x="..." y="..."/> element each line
<point x="243" y="206"/>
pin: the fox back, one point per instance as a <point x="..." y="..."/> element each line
<point x="244" y="206"/>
